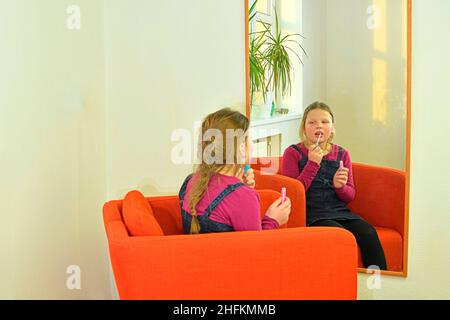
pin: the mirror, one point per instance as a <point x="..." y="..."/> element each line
<point x="354" y="55"/>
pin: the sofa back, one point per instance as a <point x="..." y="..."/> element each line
<point x="380" y="195"/>
<point x="166" y="210"/>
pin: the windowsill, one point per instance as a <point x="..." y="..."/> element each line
<point x="274" y="119"/>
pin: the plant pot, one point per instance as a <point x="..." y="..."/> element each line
<point x="261" y="109"/>
<point x="281" y="105"/>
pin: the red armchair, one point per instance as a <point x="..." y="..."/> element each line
<point x="380" y="199"/>
<point x="293" y="263"/>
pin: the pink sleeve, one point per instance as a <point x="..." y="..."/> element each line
<point x="290" y="168"/>
<point x="269" y="223"/>
<point x="347" y="193"/>
<point x="244" y="211"/>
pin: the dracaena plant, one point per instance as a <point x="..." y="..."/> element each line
<point x="278" y="64"/>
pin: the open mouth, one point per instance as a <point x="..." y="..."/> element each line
<point x="318" y="136"/>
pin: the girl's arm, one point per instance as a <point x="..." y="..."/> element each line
<point x="268" y="223"/>
<point x="290" y="168"/>
<point x="347" y="193"/>
<point x="244" y="209"/>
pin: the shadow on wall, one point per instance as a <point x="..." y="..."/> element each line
<point x="149" y="187"/>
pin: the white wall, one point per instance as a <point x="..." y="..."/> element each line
<point x="346" y="69"/>
<point x="52" y="150"/>
<point x="87" y="115"/>
<point x="169" y="63"/>
<point x="429" y="239"/>
<point x="314" y="20"/>
<point x="366" y="79"/>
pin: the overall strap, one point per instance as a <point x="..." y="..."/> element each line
<point x="221" y="196"/>
<point x="298" y="149"/>
<point x="183" y="187"/>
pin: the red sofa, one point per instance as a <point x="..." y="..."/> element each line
<point x="380" y="199"/>
<point x="289" y="263"/>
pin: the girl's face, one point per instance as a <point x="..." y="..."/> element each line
<point x="318" y="124"/>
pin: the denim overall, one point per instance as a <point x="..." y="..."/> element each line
<point x="206" y="225"/>
<point x="322" y="202"/>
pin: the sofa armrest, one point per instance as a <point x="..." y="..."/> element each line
<point x="294" y="191"/>
<point x="380" y="196"/>
<point x="297" y="263"/>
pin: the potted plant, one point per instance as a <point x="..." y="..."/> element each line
<point x="278" y="64"/>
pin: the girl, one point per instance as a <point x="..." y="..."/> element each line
<point x="325" y="169"/>
<point x="218" y="196"/>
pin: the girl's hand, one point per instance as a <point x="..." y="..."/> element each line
<point x="315" y="154"/>
<point x="341" y="177"/>
<point x="249" y="178"/>
<point x="280" y="211"/>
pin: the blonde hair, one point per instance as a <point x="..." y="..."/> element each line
<point x="314" y="106"/>
<point x="222" y="121"/>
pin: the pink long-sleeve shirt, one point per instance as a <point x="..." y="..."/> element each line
<point x="240" y="209"/>
<point x="290" y="168"/>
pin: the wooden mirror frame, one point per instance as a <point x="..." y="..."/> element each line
<point x="403" y="273"/>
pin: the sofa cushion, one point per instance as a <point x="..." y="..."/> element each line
<point x="138" y="216"/>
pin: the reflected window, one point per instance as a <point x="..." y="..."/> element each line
<point x="264" y="7"/>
